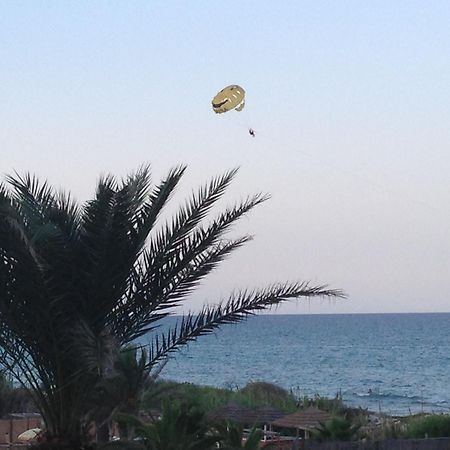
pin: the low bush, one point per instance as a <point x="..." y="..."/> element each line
<point x="429" y="426"/>
<point x="207" y="398"/>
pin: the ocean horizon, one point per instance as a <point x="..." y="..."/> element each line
<point x="396" y="363"/>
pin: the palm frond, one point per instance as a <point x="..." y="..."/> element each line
<point x="146" y="216"/>
<point x="165" y="263"/>
<point x="29" y="189"/>
<point x="43" y="216"/>
<point x="189" y="216"/>
<point x="237" y="308"/>
<point x="142" y="308"/>
<point x="161" y="279"/>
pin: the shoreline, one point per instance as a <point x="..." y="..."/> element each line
<point x="413" y="409"/>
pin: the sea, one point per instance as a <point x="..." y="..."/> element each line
<point x="396" y="364"/>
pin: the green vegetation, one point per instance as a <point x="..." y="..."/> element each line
<point x="207" y="398"/>
<point x="266" y="394"/>
<point x="79" y="283"/>
<point x="6" y="390"/>
<point x="185" y="408"/>
<point x="337" y="429"/>
<point x="392" y="430"/>
<point x="14" y="399"/>
<point x="122" y="391"/>
<point x="186" y="428"/>
<point x="180" y="428"/>
<point x="231" y="437"/>
<point x="334" y="405"/>
<point x="429" y="426"/>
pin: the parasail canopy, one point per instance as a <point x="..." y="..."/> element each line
<point x="230" y="97"/>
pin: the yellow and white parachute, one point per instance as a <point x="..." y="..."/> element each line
<point x="230" y="97"/>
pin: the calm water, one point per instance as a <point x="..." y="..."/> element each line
<point x="395" y="363"/>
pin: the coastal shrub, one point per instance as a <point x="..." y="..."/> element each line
<point x="429" y="426"/>
<point x="337" y="429"/>
<point x="204" y="398"/>
<point x="262" y="393"/>
<point x="207" y="398"/>
<point x="393" y="430"/>
<point x="253" y="395"/>
<point x="333" y="405"/>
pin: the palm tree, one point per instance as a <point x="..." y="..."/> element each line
<point x="181" y="427"/>
<point x="338" y="428"/>
<point x="122" y="391"/>
<point x="232" y="438"/>
<point x="80" y="282"/>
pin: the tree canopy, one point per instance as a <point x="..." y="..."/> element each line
<point x="78" y="283"/>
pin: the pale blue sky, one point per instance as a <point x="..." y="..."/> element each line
<point x="350" y="101"/>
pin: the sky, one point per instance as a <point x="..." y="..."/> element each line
<point x="350" y="102"/>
